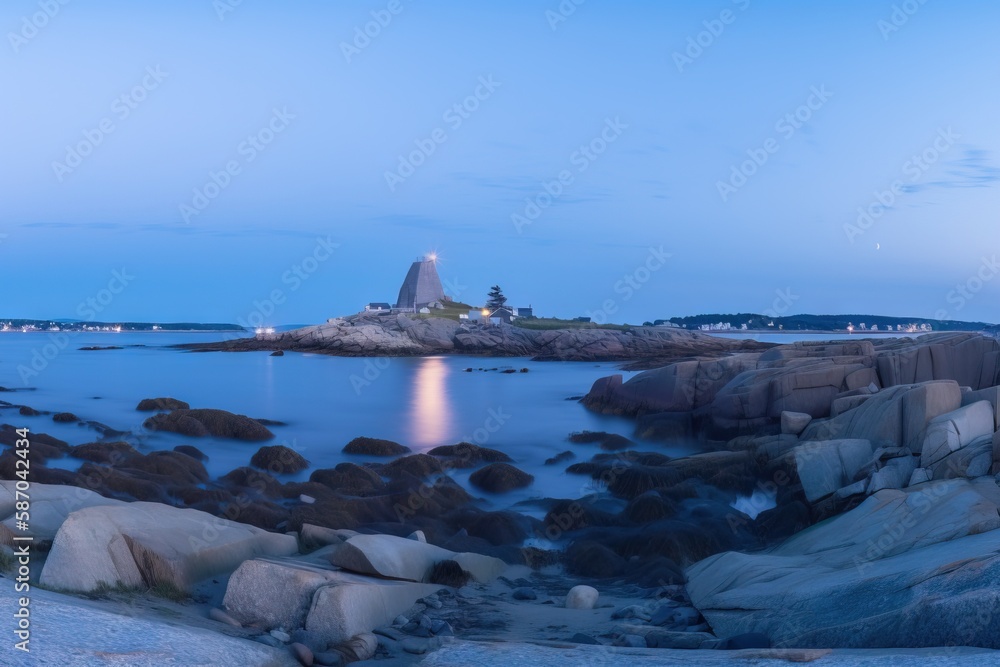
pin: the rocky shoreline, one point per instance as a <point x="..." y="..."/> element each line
<point x="846" y="498"/>
<point x="388" y="335"/>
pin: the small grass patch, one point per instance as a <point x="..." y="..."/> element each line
<point x="545" y="323"/>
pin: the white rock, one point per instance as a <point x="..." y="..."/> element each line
<point x="143" y="544"/>
<point x="954" y="430"/>
<point x="794" y="423"/>
<point x="401" y="558"/>
<point x="827" y="465"/>
<point x="50" y="505"/>
<point x="342" y="610"/>
<point x="417" y="535"/>
<point x="582" y="597"/>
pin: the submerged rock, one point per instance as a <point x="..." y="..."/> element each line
<point x="375" y="447"/>
<point x="204" y="422"/>
<point x="500" y="477"/>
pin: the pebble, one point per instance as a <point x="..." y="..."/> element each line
<point x="303" y="654"/>
<point x="222" y="617"/>
<point x="582" y="597"/>
<point x="524" y="594"/>
<point x="281" y="636"/>
<point x="308" y="500"/>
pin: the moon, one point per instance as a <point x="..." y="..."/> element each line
<point x="878" y="246"/>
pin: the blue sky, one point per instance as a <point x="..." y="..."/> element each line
<point x="683" y="157"/>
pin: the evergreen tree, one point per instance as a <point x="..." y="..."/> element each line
<point x="495" y="298"/>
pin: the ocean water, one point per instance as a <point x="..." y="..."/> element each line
<point x="325" y="401"/>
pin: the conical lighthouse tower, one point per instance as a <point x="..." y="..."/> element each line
<point x="421" y="286"/>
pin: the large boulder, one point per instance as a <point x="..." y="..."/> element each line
<point x="991" y="394"/>
<point x="893" y="417"/>
<point x="969" y="359"/>
<point x="150" y="544"/>
<point x="954" y="430"/>
<point x="343" y="610"/>
<point x="827" y="465"/>
<point x="793" y="423"/>
<point x="50" y="505"/>
<point x="401" y="558"/>
<point x="905" y="568"/>
<point x="204" y="422"/>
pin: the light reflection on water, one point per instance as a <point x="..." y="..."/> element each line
<point x="430" y="405"/>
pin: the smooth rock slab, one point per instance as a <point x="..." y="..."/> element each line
<point x="143" y="544"/>
<point x="914" y="568"/>
<point x="69" y="631"/>
<point x="402" y="558"/>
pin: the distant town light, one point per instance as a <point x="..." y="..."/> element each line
<point x="485" y="313"/>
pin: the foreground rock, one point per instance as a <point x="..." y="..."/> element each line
<point x="336" y="605"/>
<point x="401" y="558"/>
<point x="205" y="422"/>
<point x="70" y="631"/>
<point x="904" y="569"/>
<point x="148" y="544"/>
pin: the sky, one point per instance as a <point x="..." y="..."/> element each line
<point x="227" y="160"/>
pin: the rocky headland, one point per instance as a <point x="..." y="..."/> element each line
<point x="845" y="506"/>
<point x="400" y="335"/>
